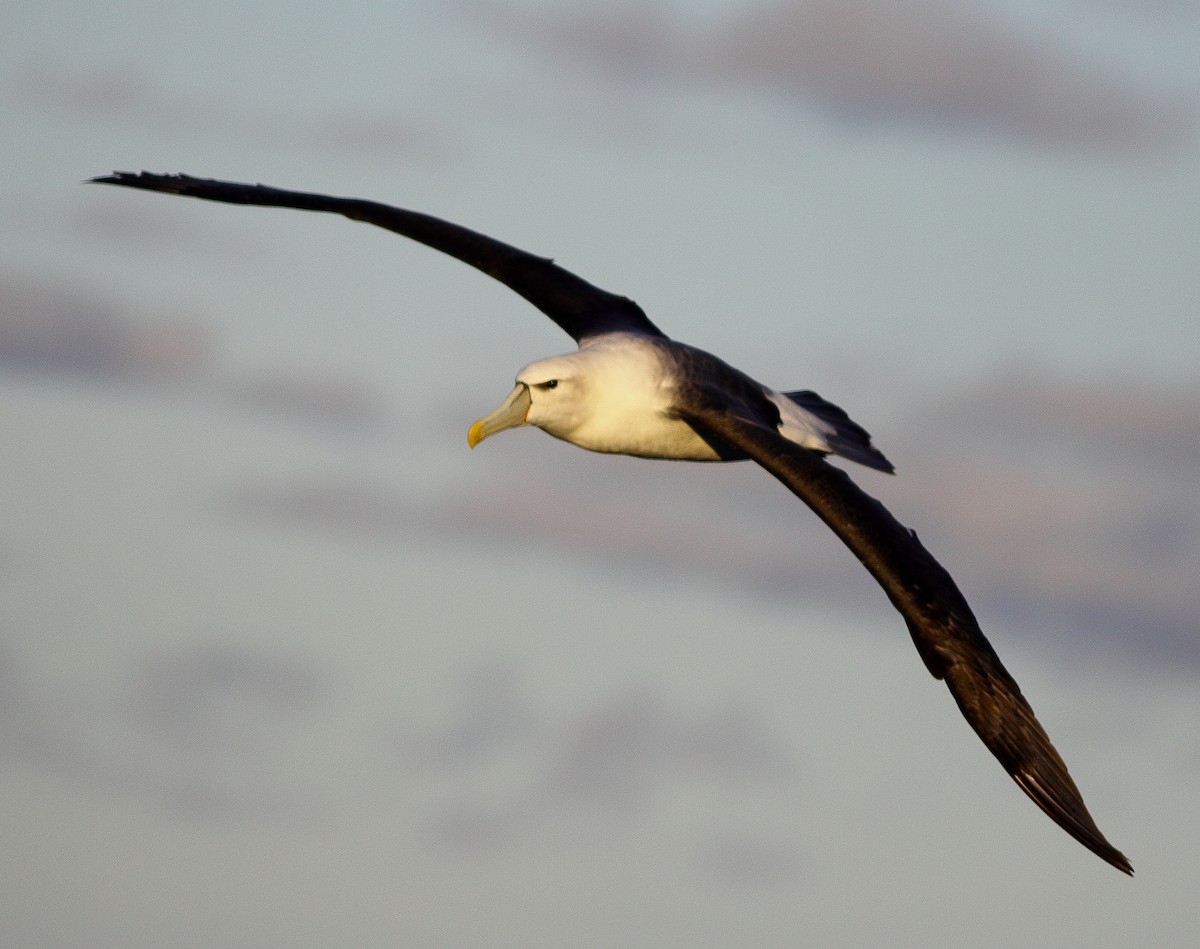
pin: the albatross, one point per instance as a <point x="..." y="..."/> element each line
<point x="629" y="389"/>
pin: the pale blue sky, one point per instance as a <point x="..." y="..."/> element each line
<point x="283" y="663"/>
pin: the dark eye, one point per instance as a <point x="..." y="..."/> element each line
<point x="552" y="384"/>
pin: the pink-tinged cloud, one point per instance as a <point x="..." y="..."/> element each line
<point x="935" y="64"/>
<point x="631" y="42"/>
<point x="939" y="63"/>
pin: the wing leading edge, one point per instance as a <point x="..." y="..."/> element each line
<point x="578" y="307"/>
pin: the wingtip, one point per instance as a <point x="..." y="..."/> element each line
<point x="1110" y="855"/>
<point x="1071" y="814"/>
<point x="148" y="180"/>
<point x="1119" y="860"/>
<point x="115" y="178"/>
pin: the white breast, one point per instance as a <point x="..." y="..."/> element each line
<point x="613" y="395"/>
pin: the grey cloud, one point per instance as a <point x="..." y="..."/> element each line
<point x="183" y="692"/>
<point x="166" y="732"/>
<point x="37" y="735"/>
<point x="615" y="751"/>
<point x="51" y="329"/>
<point x="208" y="714"/>
<point x="493" y="717"/>
<point x="315" y="398"/>
<point x="619" y="755"/>
<point x="48" y="328"/>
<point x="477" y="829"/>
<point x="747" y="860"/>
<point x="366" y="509"/>
<point x="147" y="227"/>
<point x="122" y="94"/>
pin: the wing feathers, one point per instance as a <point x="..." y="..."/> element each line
<point x="580" y="308"/>
<point x="848" y="438"/>
<point x="942" y="625"/>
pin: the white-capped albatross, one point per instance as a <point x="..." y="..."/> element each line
<point x="629" y="389"/>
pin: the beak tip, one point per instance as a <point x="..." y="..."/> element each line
<point x="512" y="413"/>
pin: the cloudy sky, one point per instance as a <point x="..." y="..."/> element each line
<point x="282" y="663"/>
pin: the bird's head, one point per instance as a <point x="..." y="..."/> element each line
<point x="549" y="394"/>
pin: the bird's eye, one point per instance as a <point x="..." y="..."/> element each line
<point x="551" y="384"/>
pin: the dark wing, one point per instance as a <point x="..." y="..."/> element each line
<point x="581" y="309"/>
<point x="943" y="628"/>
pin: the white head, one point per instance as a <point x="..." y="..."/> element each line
<point x="550" y="393"/>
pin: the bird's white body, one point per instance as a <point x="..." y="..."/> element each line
<point x="615" y="395"/>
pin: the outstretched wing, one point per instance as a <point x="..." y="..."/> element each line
<point x="580" y="308"/>
<point x="943" y="628"/>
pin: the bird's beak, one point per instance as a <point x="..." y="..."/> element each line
<point x="511" y="414"/>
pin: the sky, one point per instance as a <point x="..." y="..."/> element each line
<point x="283" y="663"/>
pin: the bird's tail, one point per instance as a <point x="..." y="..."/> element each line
<point x="844" y="436"/>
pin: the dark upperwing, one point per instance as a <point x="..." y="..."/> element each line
<point x="942" y="625"/>
<point x="580" y="308"/>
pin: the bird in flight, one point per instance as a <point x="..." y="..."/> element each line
<point x="629" y="389"/>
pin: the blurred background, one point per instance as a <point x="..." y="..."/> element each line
<point x="282" y="663"/>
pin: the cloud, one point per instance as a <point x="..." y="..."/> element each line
<point x="751" y="860"/>
<point x="619" y="757"/>
<point x="123" y="94"/>
<point x="182" y="691"/>
<point x="220" y="723"/>
<point x="201" y="730"/>
<point x="618" y="754"/>
<point x="939" y="64"/>
<point x="46" y="328"/>
<point x="146" y="227"/>
<point x="1055" y="505"/>
<point x="316" y="397"/>
<point x="1071" y="504"/>
<point x="492" y="717"/>
<point x="936" y="65"/>
<point x="629" y="42"/>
